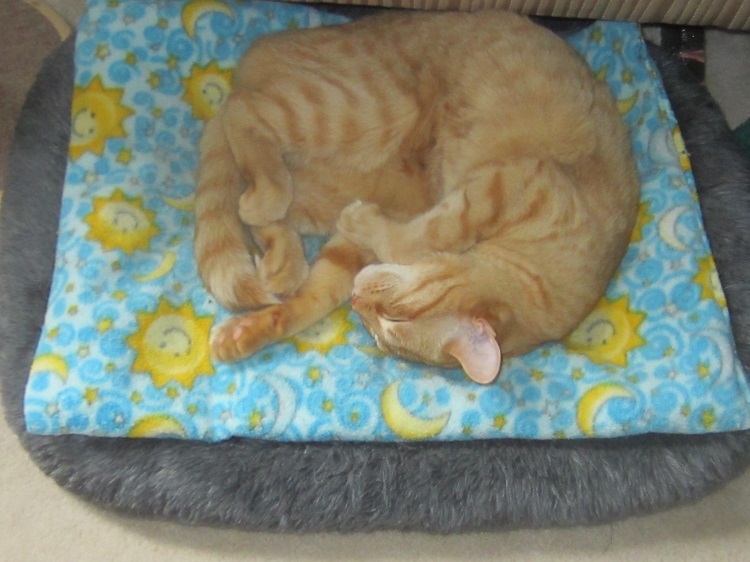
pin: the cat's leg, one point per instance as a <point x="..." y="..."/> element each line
<point x="258" y="156"/>
<point x="447" y="227"/>
<point x="283" y="268"/>
<point x="328" y="286"/>
<point x="492" y="197"/>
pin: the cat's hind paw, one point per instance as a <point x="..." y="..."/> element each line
<point x="283" y="268"/>
<point x="282" y="278"/>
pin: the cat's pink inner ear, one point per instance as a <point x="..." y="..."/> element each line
<point x="476" y="348"/>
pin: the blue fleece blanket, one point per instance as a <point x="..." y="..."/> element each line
<point x="123" y="351"/>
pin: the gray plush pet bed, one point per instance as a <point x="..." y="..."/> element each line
<point x="441" y="487"/>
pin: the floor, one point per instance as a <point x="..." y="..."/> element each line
<point x="40" y="522"/>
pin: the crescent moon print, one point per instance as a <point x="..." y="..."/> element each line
<point x="405" y="424"/>
<point x="668" y="228"/>
<point x="194" y="10"/>
<point x="158" y="425"/>
<point x="162" y="268"/>
<point x="50" y="363"/>
<point x="593" y="401"/>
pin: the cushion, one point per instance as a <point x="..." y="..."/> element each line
<point x="124" y="348"/>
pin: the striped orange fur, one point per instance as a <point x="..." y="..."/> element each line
<point x="475" y="179"/>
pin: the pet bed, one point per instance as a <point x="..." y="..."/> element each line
<point x="355" y="486"/>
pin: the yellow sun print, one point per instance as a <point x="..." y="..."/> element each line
<point x="121" y="222"/>
<point x="207" y="88"/>
<point x="97" y="115"/>
<point x="708" y="279"/>
<point x="171" y="344"/>
<point x="609" y="333"/>
<point x="643" y="219"/>
<point x="328" y="332"/>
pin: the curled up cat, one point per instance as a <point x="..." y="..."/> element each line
<point x="474" y="177"/>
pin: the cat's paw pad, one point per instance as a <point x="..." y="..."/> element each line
<point x="358" y="223"/>
<point x="238" y="338"/>
<point x="222" y="343"/>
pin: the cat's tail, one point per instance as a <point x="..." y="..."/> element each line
<point x="223" y="247"/>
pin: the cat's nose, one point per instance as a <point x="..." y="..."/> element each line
<point x="356" y="301"/>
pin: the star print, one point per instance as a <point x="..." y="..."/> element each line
<point x="125" y="156"/>
<point x="154" y="80"/>
<point x="102" y="51"/>
<point x="256" y="419"/>
<point x="703" y="370"/>
<point x="91" y="395"/>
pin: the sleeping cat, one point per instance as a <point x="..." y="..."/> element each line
<point x="474" y="177"/>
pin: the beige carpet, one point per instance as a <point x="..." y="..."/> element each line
<point x="39" y="522"/>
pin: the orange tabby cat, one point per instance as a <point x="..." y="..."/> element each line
<point x="472" y="160"/>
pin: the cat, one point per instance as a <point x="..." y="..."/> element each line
<point x="475" y="179"/>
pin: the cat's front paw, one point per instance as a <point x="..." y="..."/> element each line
<point x="359" y="223"/>
<point x="239" y="338"/>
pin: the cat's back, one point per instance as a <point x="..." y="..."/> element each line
<point x="403" y="45"/>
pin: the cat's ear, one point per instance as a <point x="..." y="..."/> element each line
<point x="476" y="348"/>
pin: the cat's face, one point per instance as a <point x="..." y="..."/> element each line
<point x="399" y="310"/>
